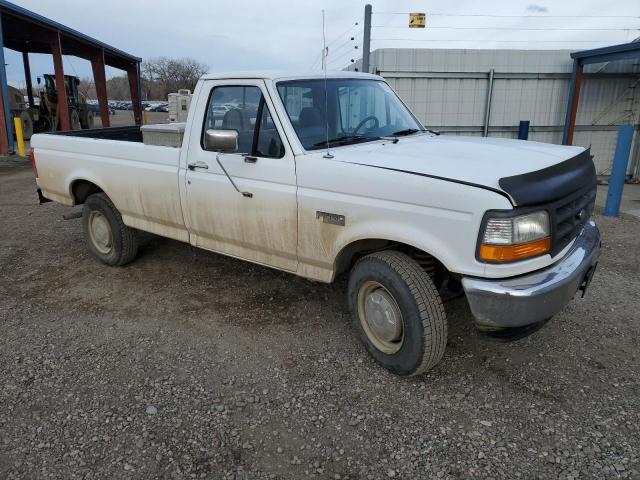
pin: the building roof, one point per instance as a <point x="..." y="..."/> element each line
<point x="624" y="51"/>
<point x="24" y="30"/>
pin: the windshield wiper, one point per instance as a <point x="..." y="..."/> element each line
<point x="344" y="139"/>
<point x="406" y="131"/>
<point x="411" y="131"/>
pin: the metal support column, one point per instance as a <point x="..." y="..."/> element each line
<point x="100" y="81"/>
<point x="572" y="102"/>
<point x="6" y="122"/>
<point x="133" y="74"/>
<point x="27" y="77"/>
<point x="63" y="105"/>
<point x="4" y="144"/>
<point x="618" y="171"/>
<point x="366" y="39"/>
<point x="487" y="108"/>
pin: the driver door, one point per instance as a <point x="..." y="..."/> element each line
<point x="261" y="228"/>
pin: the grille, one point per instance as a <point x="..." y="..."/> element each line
<point x="568" y="216"/>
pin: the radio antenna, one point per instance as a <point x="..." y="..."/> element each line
<point x="325" y="51"/>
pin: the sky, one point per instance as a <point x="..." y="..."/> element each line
<point x="256" y="35"/>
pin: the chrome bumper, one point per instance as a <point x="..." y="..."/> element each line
<point x="537" y="296"/>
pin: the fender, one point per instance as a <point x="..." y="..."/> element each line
<point x="84" y="176"/>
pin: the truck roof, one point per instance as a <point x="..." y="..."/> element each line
<point x="286" y="75"/>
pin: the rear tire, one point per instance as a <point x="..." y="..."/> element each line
<point x="74" y="120"/>
<point x="87" y="118"/>
<point x="398" y="313"/>
<point x="105" y="234"/>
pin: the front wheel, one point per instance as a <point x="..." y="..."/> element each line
<point x="105" y="234"/>
<point x="398" y="313"/>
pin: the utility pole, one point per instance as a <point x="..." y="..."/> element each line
<point x="366" y="41"/>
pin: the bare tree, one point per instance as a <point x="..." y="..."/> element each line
<point x="118" y="88"/>
<point x="164" y="75"/>
<point x="86" y="88"/>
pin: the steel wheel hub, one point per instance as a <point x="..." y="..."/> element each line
<point x="380" y="317"/>
<point x="100" y="232"/>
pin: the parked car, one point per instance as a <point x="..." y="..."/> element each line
<point x="219" y="110"/>
<point x="413" y="216"/>
<point x="157" y="107"/>
<point x="95" y="107"/>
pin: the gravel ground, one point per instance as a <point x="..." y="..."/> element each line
<point x="187" y="364"/>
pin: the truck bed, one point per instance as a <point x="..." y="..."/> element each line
<point x="129" y="133"/>
<point x="142" y="180"/>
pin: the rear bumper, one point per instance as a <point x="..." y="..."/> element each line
<point x="537" y="296"/>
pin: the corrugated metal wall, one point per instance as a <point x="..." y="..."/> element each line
<point x="447" y="90"/>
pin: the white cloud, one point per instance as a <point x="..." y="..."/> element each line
<point x="258" y="34"/>
<point x="533" y="8"/>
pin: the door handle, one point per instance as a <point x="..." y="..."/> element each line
<point x="193" y="166"/>
<point x="250" y="159"/>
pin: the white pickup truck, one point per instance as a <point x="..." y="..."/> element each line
<point x="320" y="176"/>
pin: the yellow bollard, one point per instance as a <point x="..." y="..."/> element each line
<point x="19" y="136"/>
<point x="145" y="117"/>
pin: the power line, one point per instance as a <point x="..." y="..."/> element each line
<point x="487" y="40"/>
<point x="347" y="42"/>
<point x="511" y="28"/>
<point x="342" y="34"/>
<point x="335" y="59"/>
<point x="507" y="16"/>
<point x="68" y="60"/>
<point x="338" y="59"/>
<point x="318" y="59"/>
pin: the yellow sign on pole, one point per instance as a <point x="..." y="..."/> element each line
<point x="417" y="20"/>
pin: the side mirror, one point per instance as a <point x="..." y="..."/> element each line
<point x="225" y="141"/>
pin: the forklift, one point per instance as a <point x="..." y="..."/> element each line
<point x="44" y="117"/>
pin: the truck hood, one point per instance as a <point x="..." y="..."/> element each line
<point x="498" y="164"/>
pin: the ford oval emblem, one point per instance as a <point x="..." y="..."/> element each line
<point x="581" y="214"/>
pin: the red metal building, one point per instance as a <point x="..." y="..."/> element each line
<point x="27" y="32"/>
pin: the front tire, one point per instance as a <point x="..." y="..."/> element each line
<point x="105" y="234"/>
<point x="398" y="312"/>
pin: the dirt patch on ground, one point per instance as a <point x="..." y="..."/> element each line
<point x="187" y="364"/>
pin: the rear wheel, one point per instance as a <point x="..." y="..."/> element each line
<point x="398" y="313"/>
<point x="74" y="116"/>
<point x="87" y="120"/>
<point x="106" y="235"/>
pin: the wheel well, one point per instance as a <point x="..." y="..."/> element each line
<point x="81" y="189"/>
<point x="442" y="278"/>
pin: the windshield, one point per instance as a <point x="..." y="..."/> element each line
<point x="358" y="111"/>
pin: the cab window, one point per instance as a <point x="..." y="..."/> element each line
<point x="243" y="108"/>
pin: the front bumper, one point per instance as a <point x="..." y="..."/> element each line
<point x="537" y="296"/>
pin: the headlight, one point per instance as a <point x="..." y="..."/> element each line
<point x="507" y="239"/>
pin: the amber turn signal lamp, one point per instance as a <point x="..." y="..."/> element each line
<point x="510" y="253"/>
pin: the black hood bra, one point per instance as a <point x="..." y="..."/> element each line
<point x="551" y="183"/>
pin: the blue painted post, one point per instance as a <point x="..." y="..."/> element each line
<point x="4" y="89"/>
<point x="618" y="171"/>
<point x="523" y="130"/>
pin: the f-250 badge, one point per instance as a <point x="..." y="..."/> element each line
<point x="332" y="218"/>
